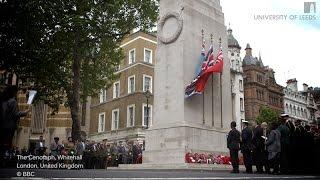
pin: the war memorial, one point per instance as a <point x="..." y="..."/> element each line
<point x="198" y="123"/>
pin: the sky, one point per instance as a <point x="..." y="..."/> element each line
<point x="289" y="42"/>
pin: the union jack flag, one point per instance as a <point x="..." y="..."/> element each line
<point x="216" y="66"/>
<point x="209" y="65"/>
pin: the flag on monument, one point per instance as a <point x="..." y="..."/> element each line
<point x="191" y="88"/>
<point x="202" y="80"/>
<point x="202" y="59"/>
<point x="205" y="63"/>
<point x="209" y="66"/>
<point x="215" y="66"/>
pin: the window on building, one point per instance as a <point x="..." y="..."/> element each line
<point x="147" y="55"/>
<point x="147" y="83"/>
<point x="132" y="56"/>
<point x="116" y="89"/>
<point x="294" y="110"/>
<point x="131" y="84"/>
<point x="101" y="122"/>
<point x="298" y="111"/>
<point x="115" y="119"/>
<point x="241" y="104"/>
<point x="260" y="95"/>
<point x="305" y="113"/>
<point x="103" y="95"/>
<point x="260" y="78"/>
<point x="290" y="109"/>
<point x="241" y="85"/>
<point x="146" y="115"/>
<point x="130" y="115"/>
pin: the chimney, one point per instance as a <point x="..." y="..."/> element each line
<point x="292" y="84"/>
<point x="305" y="87"/>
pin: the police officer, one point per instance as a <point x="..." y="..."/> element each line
<point x="233" y="144"/>
<point x="246" y="146"/>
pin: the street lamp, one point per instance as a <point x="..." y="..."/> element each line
<point x="148" y="95"/>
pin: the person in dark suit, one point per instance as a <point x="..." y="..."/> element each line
<point x="309" y="148"/>
<point x="258" y="151"/>
<point x="9" y="117"/>
<point x="233" y="144"/>
<point x="246" y="146"/>
<point x="299" y="147"/>
<point x="40" y="147"/>
<point x="285" y="141"/>
<point x="291" y="148"/>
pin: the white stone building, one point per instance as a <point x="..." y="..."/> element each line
<point x="299" y="104"/>
<point x="236" y="76"/>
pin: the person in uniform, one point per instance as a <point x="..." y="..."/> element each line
<point x="291" y="148"/>
<point x="310" y="147"/>
<point x="233" y="144"/>
<point x="285" y="141"/>
<point x="299" y="146"/>
<point x="246" y="146"/>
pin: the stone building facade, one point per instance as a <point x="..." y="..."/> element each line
<point x="236" y="76"/>
<point x="260" y="87"/>
<point x="300" y="105"/>
<point x="316" y="95"/>
<point x="121" y="112"/>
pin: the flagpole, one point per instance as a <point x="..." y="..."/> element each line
<point x="212" y="102"/>
<point x="203" y="120"/>
<point x="221" y="86"/>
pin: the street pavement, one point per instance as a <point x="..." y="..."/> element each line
<point x="138" y="174"/>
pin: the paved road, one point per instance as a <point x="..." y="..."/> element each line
<point x="140" y="174"/>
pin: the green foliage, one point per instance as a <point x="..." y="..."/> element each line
<point x="267" y="115"/>
<point x="69" y="48"/>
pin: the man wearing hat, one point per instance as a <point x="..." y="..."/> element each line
<point x="285" y="141"/>
<point x="299" y="146"/>
<point x="233" y="143"/>
<point x="246" y="146"/>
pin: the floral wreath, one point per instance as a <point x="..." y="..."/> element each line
<point x="174" y="37"/>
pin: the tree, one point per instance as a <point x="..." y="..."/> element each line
<point x="267" y="115"/>
<point x="69" y="48"/>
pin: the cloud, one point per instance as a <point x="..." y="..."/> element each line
<point x="290" y="47"/>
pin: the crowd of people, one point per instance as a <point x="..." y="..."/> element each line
<point x="93" y="155"/>
<point x="281" y="147"/>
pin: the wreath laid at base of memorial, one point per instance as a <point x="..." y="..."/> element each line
<point x="202" y="158"/>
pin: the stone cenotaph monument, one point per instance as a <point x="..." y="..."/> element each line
<point x="199" y="123"/>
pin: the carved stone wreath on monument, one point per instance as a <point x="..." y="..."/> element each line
<point x="176" y="34"/>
